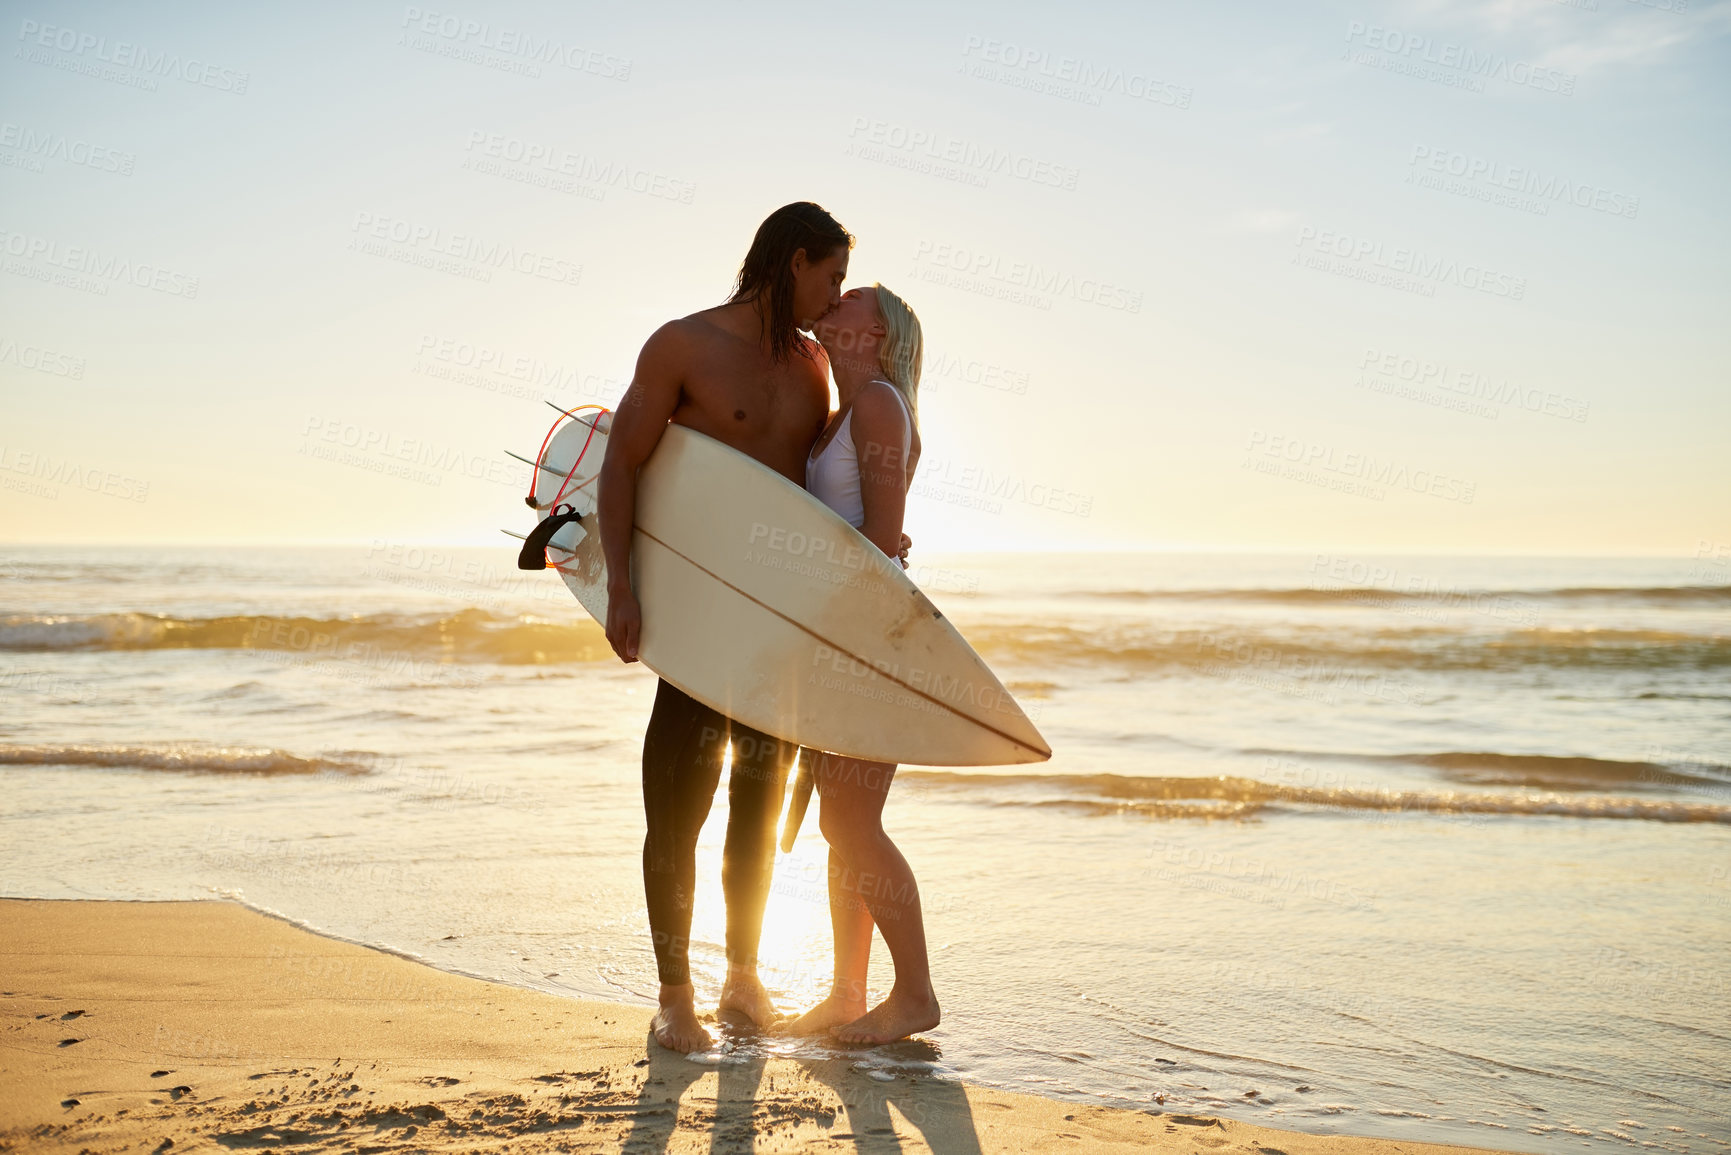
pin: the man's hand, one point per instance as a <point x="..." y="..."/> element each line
<point x="907" y="544"/>
<point x="624" y="625"/>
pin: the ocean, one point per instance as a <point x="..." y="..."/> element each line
<point x="1417" y="847"/>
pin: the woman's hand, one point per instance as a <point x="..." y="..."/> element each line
<point x="907" y="544"/>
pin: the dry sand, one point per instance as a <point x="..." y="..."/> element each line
<point x="206" y="1026"/>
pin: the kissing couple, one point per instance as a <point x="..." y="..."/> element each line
<point x="754" y="373"/>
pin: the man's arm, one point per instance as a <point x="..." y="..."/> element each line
<point x="638" y="423"/>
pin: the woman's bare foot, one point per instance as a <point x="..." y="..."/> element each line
<point x="675" y="1023"/>
<point x="743" y="994"/>
<point x="896" y="1017"/>
<point x="834" y="1011"/>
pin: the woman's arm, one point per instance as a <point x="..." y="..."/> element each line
<point x="880" y="427"/>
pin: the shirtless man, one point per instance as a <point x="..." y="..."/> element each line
<point x="743" y="374"/>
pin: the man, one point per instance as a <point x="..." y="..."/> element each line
<point x="743" y="374"/>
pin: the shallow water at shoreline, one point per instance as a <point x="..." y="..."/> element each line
<point x="1443" y="843"/>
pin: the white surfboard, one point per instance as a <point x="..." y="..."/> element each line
<point x="761" y="602"/>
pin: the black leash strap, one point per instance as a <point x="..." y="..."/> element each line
<point x="534" y="552"/>
<point x="802" y="784"/>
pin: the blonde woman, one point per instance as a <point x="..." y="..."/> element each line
<point x="861" y="467"/>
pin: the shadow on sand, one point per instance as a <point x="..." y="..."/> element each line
<point x="752" y="1103"/>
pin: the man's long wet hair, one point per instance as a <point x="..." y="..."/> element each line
<point x="766" y="275"/>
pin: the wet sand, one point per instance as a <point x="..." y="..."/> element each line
<point x="204" y="1026"/>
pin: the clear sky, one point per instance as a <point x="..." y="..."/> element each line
<point x="1433" y="276"/>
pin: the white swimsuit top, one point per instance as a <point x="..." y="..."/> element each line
<point x="833" y="475"/>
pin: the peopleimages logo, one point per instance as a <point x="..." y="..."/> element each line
<point x="544" y="378"/>
<point x="124" y="54"/>
<point x="375" y="233"/>
<point x="40" y="145"/>
<point x="411" y="458"/>
<point x="578" y="166"/>
<point x="462" y="33"/>
<point x="1469" y="63"/>
<point x="1268" y="451"/>
<point x="41" y="359"/>
<point x="1089" y="79"/>
<point x="968" y="155"/>
<point x="47" y="468"/>
<point x="978" y="487"/>
<point x="1409" y="263"/>
<point x="1023" y="275"/>
<point x="1470" y="383"/>
<point x="104" y="266"/>
<point x="1494" y="176"/>
<point x="942" y="365"/>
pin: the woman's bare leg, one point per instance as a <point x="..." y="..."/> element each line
<point x="874" y="873"/>
<point x="851" y="924"/>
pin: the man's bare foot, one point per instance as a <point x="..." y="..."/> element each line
<point x="675" y="1024"/>
<point x="896" y="1017"/>
<point x="834" y="1011"/>
<point x="743" y="994"/>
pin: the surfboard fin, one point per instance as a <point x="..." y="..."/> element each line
<point x="533" y="555"/>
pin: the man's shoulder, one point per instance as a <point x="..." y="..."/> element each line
<point x="679" y="332"/>
<point x="712" y="323"/>
<point x="680" y="343"/>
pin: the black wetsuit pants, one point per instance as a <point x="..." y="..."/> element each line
<point x="682" y="753"/>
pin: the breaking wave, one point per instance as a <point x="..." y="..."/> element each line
<point x="471" y="635"/>
<point x="1137" y="645"/>
<point x="1230" y="797"/>
<point x="1464" y="598"/>
<point x="1314" y="654"/>
<point x="190" y="757"/>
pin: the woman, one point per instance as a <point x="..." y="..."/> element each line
<point x="861" y="466"/>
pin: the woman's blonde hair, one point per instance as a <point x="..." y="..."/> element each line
<point x="903" y="347"/>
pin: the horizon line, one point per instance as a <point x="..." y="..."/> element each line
<point x="1176" y="549"/>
